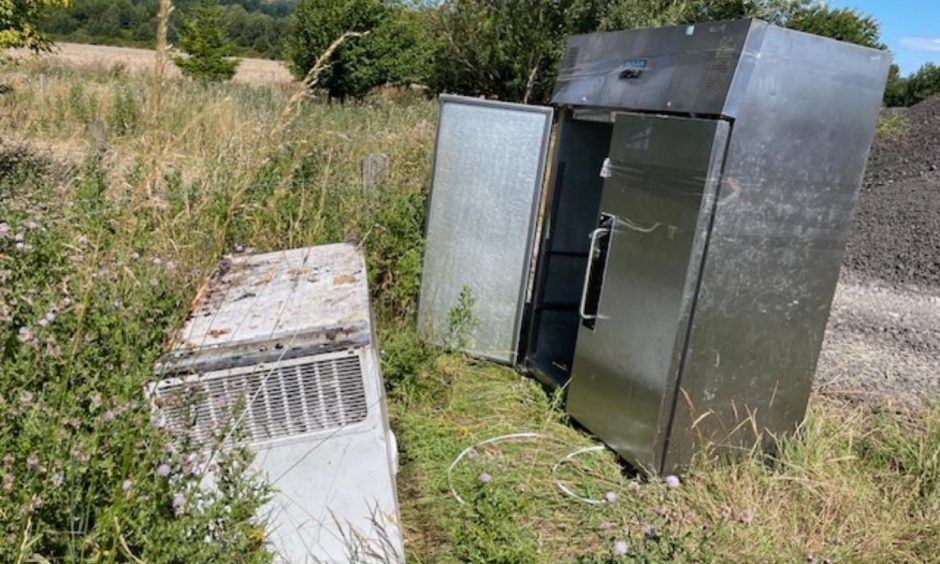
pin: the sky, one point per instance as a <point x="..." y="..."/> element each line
<point x="910" y="28"/>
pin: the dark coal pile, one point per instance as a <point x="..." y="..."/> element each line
<point x="896" y="236"/>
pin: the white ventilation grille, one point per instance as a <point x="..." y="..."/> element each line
<point x="280" y="401"/>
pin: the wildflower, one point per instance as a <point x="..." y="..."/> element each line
<point x="126" y="485"/>
<point x="485" y="478"/>
<point x="95" y="400"/>
<point x="7" y="483"/>
<point x="620" y="548"/>
<point x="57" y="480"/>
<point x="25" y="335"/>
<point x="32" y="461"/>
<point x="650" y="532"/>
<point x="50" y="316"/>
<point x="108" y="416"/>
<point x="610" y="497"/>
<point x="634" y="486"/>
<point x="66" y="302"/>
<point x="20" y="246"/>
<point x="4" y="229"/>
<point x="32" y="225"/>
<point x="43" y="322"/>
<point x="239" y="248"/>
<point x="170" y="265"/>
<point x="26" y="397"/>
<point x="8" y="460"/>
<point x="19" y="238"/>
<point x="179" y="500"/>
<point x="605" y="525"/>
<point x="163" y="470"/>
<point x="746" y="516"/>
<point x="157" y="261"/>
<point x="135" y="256"/>
<point x="672" y="481"/>
<point x="83" y="240"/>
<point x="80" y="456"/>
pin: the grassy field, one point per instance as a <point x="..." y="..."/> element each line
<point x="104" y="238"/>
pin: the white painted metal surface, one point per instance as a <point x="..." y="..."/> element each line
<point x="284" y="341"/>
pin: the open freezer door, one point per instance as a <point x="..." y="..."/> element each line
<point x="486" y="186"/>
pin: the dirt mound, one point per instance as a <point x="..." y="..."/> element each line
<point x="896" y="236"/>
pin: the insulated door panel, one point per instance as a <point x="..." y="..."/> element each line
<point x="488" y="168"/>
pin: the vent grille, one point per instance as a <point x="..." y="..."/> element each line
<point x="278" y="401"/>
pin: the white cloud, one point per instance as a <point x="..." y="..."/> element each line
<point x="921" y="43"/>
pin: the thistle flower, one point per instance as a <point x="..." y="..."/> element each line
<point x="43" y="322"/>
<point x="26" y="398"/>
<point x="95" y="398"/>
<point x="672" y="481"/>
<point x="32" y="461"/>
<point x="19" y="238"/>
<point x="485" y="478"/>
<point x="57" y="480"/>
<point x="163" y="470"/>
<point x="126" y="485"/>
<point x="179" y="500"/>
<point x="4" y="229"/>
<point x="108" y="416"/>
<point x="25" y="335"/>
<point x="650" y="532"/>
<point x="620" y="548"/>
<point x="82" y="240"/>
<point x="746" y="516"/>
<point x="610" y="497"/>
<point x="634" y="486"/>
<point x="605" y="525"/>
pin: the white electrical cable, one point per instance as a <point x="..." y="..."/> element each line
<point x="526" y="436"/>
<point x="501" y="438"/>
<point x="564" y="489"/>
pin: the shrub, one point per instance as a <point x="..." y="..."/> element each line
<point x="204" y="41"/>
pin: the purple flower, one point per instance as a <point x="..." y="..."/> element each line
<point x="620" y="548"/>
<point x="25" y="335"/>
<point x="126" y="485"/>
<point x="610" y="497"/>
<point x="4" y="229"/>
<point x="163" y="470"/>
<point x="746" y="516"/>
<point x="95" y="398"/>
<point x="83" y="240"/>
<point x="19" y="237"/>
<point x="672" y="481"/>
<point x="605" y="525"/>
<point x="650" y="532"/>
<point x="485" y="478"/>
<point x="634" y="486"/>
<point x="108" y="416"/>
<point x="26" y="398"/>
<point x="43" y="322"/>
<point x="32" y="461"/>
<point x="57" y="479"/>
<point x="179" y="500"/>
<point x="135" y="256"/>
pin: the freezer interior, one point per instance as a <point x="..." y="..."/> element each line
<point x="570" y="217"/>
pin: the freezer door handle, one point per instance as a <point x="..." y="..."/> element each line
<point x="592" y="256"/>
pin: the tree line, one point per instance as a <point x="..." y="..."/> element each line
<point x="507" y="49"/>
<point x="510" y="49"/>
<point x="253" y="28"/>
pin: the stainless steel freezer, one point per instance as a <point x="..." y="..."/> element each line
<point x="693" y="219"/>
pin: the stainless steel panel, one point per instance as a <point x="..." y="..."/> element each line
<point x="795" y="162"/>
<point x="486" y="185"/>
<point x="664" y="171"/>
<point x="681" y="69"/>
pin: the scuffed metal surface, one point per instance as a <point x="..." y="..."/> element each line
<point x="279" y="305"/>
<point x="487" y="178"/>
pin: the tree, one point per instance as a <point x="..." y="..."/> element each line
<point x="18" y="23"/>
<point x="922" y="84"/>
<point x="392" y="52"/>
<point x="843" y="24"/>
<point x="203" y="40"/>
<point x="896" y="90"/>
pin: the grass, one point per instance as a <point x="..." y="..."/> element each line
<point x="103" y="244"/>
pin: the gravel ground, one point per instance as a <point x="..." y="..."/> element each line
<point x="882" y="343"/>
